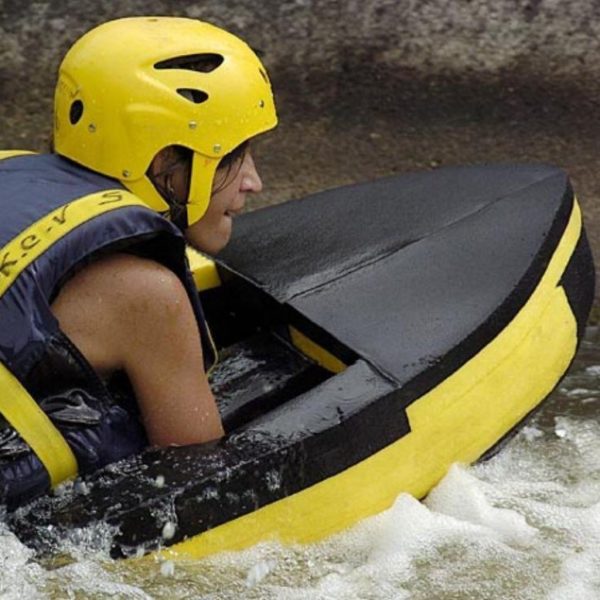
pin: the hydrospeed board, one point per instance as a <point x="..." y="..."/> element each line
<point x="370" y="336"/>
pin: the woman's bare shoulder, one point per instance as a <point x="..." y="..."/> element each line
<point x="128" y="277"/>
<point x="116" y="302"/>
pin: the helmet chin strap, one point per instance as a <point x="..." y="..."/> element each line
<point x="178" y="215"/>
<point x="177" y="208"/>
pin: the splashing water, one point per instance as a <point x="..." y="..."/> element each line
<point x="525" y="524"/>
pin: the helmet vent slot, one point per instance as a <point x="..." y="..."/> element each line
<point x="195" y="96"/>
<point x="201" y="63"/>
<point x="75" y="112"/>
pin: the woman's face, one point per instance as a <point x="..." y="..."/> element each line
<point x="212" y="232"/>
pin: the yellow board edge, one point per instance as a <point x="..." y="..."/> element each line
<point x="451" y="423"/>
<point x="454" y="422"/>
<point x="204" y="270"/>
<point x="321" y="356"/>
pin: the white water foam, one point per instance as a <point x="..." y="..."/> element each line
<point x="524" y="525"/>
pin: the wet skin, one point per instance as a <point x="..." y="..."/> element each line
<point x="132" y="314"/>
<point x="212" y="232"/>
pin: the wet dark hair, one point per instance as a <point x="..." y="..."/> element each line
<point x="182" y="157"/>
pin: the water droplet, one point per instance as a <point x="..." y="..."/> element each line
<point x="168" y="530"/>
<point x="531" y="433"/>
<point x="167" y="569"/>
<point x="259" y="571"/>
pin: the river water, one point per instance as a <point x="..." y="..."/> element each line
<point x="525" y="524"/>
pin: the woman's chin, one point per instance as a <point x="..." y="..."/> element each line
<point x="217" y="241"/>
<point x="222" y="237"/>
<point x="210" y="239"/>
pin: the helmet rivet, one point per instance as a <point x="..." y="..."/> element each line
<point x="261" y="103"/>
<point x="91" y="128"/>
<point x="217" y="148"/>
<point x="126" y="173"/>
<point x="192" y="124"/>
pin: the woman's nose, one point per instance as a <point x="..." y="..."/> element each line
<point x="251" y="181"/>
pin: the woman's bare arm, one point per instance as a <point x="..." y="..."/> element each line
<point x="130" y="313"/>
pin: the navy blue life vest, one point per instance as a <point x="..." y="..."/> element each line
<point x="49" y="229"/>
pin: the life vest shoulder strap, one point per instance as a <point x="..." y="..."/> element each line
<point x="30" y="244"/>
<point x="12" y="153"/>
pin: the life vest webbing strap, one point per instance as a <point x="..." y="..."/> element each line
<point x="36" y="429"/>
<point x="22" y="250"/>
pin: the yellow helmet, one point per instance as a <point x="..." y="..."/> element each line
<point x="131" y="87"/>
